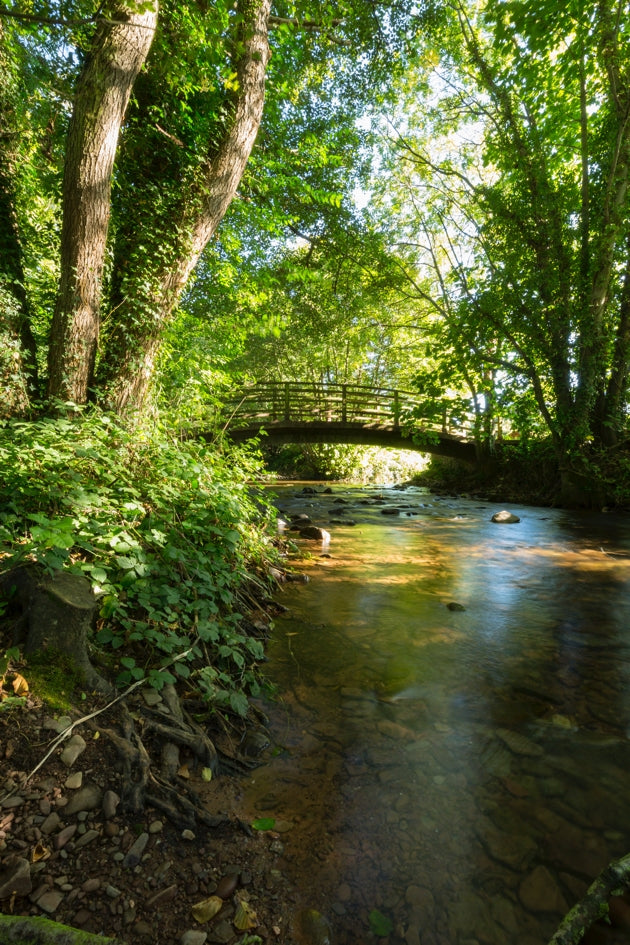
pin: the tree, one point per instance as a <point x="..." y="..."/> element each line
<point x="117" y="52"/>
<point x="160" y="134"/>
<point x="519" y="210"/>
<point x="18" y="366"/>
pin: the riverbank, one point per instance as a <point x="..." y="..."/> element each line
<point x="532" y="477"/>
<point x="69" y="853"/>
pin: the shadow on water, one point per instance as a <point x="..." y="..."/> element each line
<point x="452" y="717"/>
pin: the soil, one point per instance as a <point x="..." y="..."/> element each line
<point x="94" y="885"/>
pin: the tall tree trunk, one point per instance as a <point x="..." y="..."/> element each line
<point x="119" y="48"/>
<point x="127" y="366"/>
<point x="18" y="355"/>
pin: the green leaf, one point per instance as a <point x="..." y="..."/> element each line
<point x="264" y="823"/>
<point x="380" y="924"/>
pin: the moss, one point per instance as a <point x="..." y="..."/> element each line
<point x="21" y="930"/>
<point x="54" y="679"/>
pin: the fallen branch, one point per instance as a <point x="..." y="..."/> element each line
<point x="613" y="880"/>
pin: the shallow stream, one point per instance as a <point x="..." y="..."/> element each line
<point x="450" y="762"/>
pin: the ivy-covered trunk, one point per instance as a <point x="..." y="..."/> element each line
<point x="154" y="261"/>
<point x="120" y="46"/>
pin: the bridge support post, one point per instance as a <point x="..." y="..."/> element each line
<point x="344" y="403"/>
<point x="396" y="410"/>
<point x="287" y="401"/>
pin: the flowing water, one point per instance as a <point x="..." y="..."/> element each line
<point x="450" y="760"/>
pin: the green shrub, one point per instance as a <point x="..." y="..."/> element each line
<point x="168" y="532"/>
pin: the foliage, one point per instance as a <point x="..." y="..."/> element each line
<point x="365" y="464"/>
<point x="167" y="532"/>
<point x="506" y="196"/>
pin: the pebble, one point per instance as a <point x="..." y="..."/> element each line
<point x="57" y="725"/>
<point x="50" y="901"/>
<point x="64" y="836"/>
<point x="9" y="803"/>
<point x="151" y="697"/>
<point x="87" y="837"/>
<point x="193" y="937"/>
<point x="87" y="798"/>
<point x="51" y="823"/>
<point x="188" y="835"/>
<point x="74" y="781"/>
<point x="75" y="747"/>
<point x="222" y="933"/>
<point x="136" y="850"/>
<point x="111" y="800"/>
<point x="540" y="892"/>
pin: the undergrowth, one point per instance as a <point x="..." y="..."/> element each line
<point x="168" y="533"/>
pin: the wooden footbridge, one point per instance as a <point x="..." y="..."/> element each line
<point x="288" y="412"/>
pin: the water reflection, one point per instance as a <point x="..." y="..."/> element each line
<point x="463" y="771"/>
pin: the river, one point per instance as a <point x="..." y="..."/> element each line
<point x="450" y="761"/>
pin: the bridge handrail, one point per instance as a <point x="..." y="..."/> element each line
<point x="300" y="402"/>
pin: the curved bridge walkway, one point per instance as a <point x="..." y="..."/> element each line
<point x="288" y="412"/>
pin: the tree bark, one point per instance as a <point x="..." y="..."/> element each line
<point x="119" y="48"/>
<point x="126" y="369"/>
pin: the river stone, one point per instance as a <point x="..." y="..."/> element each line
<point x="222" y="933"/>
<point x="111" y="800"/>
<point x="519" y="744"/>
<point x="15" y="877"/>
<point x="315" y="533"/>
<point x="193" y="937"/>
<point x="52" y="822"/>
<point x="505" y="518"/>
<point x="74" y="748"/>
<point x="539" y="892"/>
<point x="88" y="798"/>
<point x="420" y="901"/>
<point x="64" y="836"/>
<point x="135" y="852"/>
<point x="50" y="901"/>
<point x="87" y="837"/>
<point x="515" y="851"/>
<point x="74" y="781"/>
<point x="503" y="912"/>
<point x="10" y="802"/>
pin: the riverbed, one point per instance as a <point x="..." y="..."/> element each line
<point x="449" y="759"/>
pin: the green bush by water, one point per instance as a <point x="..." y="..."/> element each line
<point x="168" y="533"/>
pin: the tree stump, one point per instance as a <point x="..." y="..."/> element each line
<point x="56" y="612"/>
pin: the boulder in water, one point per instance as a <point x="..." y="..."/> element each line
<point x="505" y="518"/>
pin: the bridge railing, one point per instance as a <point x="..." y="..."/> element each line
<point x="296" y="402"/>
